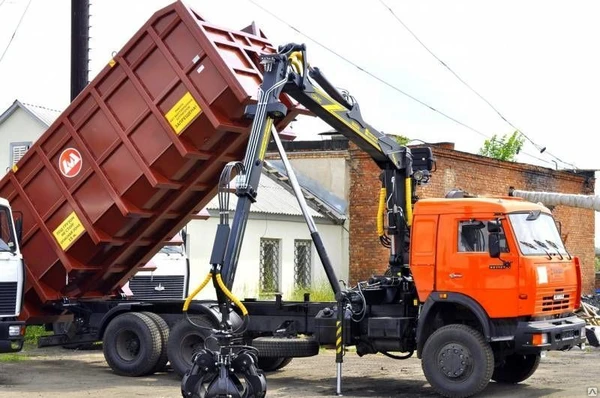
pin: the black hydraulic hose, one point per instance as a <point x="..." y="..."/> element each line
<point x="387" y="354"/>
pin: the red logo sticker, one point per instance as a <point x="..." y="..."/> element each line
<point x="70" y="162"/>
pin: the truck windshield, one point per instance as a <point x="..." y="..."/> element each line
<point x="536" y="235"/>
<point x="7" y="240"/>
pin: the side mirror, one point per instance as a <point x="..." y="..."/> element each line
<point x="18" y="226"/>
<point x="494" y="245"/>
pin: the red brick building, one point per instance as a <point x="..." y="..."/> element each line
<point x="351" y="173"/>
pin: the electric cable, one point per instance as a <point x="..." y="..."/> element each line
<point x="343" y="58"/>
<point x="15" y="31"/>
<point x="538" y="147"/>
<point x="369" y="73"/>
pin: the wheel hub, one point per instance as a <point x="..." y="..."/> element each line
<point x="454" y="360"/>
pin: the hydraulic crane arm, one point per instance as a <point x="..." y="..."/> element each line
<point x="401" y="168"/>
<point x="288" y="72"/>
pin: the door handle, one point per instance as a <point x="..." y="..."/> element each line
<point x="454" y="276"/>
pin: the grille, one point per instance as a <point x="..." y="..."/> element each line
<point x="269" y="265"/>
<point x="302" y="261"/>
<point x="8" y="298"/>
<point x="551" y="301"/>
<point x="160" y="287"/>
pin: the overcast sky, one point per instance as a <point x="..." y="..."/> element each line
<point x="537" y="62"/>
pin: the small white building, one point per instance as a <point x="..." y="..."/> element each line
<point x="20" y="125"/>
<point x="277" y="254"/>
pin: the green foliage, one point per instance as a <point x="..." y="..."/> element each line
<point x="33" y="333"/>
<point x="320" y="291"/>
<point x="504" y="148"/>
<point x="400" y="139"/>
<point x="597" y="263"/>
<point x="12" y="357"/>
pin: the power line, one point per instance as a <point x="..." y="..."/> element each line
<point x="15" y="31"/>
<point x="538" y="147"/>
<point x="2" y="3"/>
<point x="380" y="79"/>
<point x="369" y="73"/>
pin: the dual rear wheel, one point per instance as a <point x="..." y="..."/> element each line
<point x="141" y="343"/>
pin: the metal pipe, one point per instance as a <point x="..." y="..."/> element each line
<point x="294" y="182"/>
<point x="339" y="380"/>
<point x="333" y="281"/>
<point x="553" y="199"/>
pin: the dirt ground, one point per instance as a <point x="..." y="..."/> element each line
<point x="57" y="372"/>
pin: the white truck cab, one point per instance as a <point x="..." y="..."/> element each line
<point x="164" y="277"/>
<point x="12" y="282"/>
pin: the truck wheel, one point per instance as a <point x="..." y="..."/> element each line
<point x="184" y="340"/>
<point x="163" y="328"/>
<point x="132" y="344"/>
<point x="457" y="361"/>
<point x="285" y="347"/>
<point x="516" y="368"/>
<point x="271" y="364"/>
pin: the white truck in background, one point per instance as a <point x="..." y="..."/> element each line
<point x="166" y="275"/>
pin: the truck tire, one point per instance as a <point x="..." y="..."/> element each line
<point x="285" y="347"/>
<point x="184" y="340"/>
<point x="457" y="361"/>
<point x="271" y="364"/>
<point x="132" y="344"/>
<point x="516" y="368"/>
<point x="163" y="328"/>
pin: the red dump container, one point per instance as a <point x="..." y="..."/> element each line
<point x="134" y="156"/>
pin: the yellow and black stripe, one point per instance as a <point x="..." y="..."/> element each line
<point x="339" y="346"/>
<point x="336" y="109"/>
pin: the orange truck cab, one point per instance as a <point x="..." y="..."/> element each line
<point x="498" y="263"/>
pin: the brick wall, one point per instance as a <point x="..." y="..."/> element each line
<point x="455" y="169"/>
<point x="477" y="175"/>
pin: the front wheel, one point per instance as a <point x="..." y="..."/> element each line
<point x="516" y="368"/>
<point x="457" y="361"/>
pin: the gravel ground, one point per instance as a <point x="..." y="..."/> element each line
<point x="69" y="374"/>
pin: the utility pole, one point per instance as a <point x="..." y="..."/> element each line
<point x="80" y="45"/>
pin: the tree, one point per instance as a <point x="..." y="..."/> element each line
<point x="504" y="148"/>
<point x="400" y="139"/>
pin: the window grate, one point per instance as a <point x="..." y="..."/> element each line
<point x="302" y="262"/>
<point x="269" y="265"/>
<point x="18" y="150"/>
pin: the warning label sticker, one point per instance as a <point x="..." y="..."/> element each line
<point x="68" y="231"/>
<point x="183" y="112"/>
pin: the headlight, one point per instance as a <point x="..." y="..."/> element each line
<point x="14" y="330"/>
<point x="418" y="175"/>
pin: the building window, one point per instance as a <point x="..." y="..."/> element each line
<point x="17" y="151"/>
<point x="269" y="265"/>
<point x="302" y="262"/>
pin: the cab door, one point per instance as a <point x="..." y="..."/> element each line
<point x="465" y="265"/>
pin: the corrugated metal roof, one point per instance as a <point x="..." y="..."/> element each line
<point x="46" y="115"/>
<point x="272" y="199"/>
